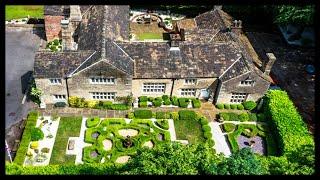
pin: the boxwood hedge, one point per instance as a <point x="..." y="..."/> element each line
<point x="143" y="113"/>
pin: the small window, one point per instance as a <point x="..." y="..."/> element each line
<point x="188" y="92"/>
<point x="247" y="83"/>
<point x="190" y="81"/>
<point x="59" y="97"/>
<point x="238" y="97"/>
<point x="55" y="81"/>
<point x="102" y="80"/>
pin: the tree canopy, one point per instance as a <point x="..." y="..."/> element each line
<point x="289" y="14"/>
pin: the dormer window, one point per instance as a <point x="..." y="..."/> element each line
<point x="190" y="81"/>
<point x="247" y="83"/>
<point x="55" y="81"/>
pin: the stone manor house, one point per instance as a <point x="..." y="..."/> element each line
<point x="204" y="58"/>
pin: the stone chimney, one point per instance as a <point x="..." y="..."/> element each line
<point x="75" y="13"/>
<point x="66" y="34"/>
<point x="236" y="26"/>
<point x="174" y="41"/>
<point x="219" y="7"/>
<point x="267" y="65"/>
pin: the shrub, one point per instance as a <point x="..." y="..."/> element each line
<point x="92" y="122"/>
<point x="203" y="121"/>
<point x="36" y="134"/>
<point x="165" y="97"/>
<point x="45" y="150"/>
<point x="224" y="116"/>
<point x="159" y="99"/>
<point x="183" y="102"/>
<point x="73" y="101"/>
<point x="60" y="104"/>
<point x="187" y="115"/>
<point x="130" y="115"/>
<point x="233" y="117"/>
<point x="252" y="117"/>
<point x="143" y="113"/>
<point x="196" y="103"/>
<point x="210" y="142"/>
<point x="93" y="103"/>
<point x="220" y="106"/>
<point x="243" y="117"/>
<point x="174" y="115"/>
<point x="157" y="103"/>
<point x="162" y="115"/>
<point x="143" y="104"/>
<point x="175" y="101"/>
<point x="240" y="107"/>
<point x="207" y="135"/>
<point x="143" y="99"/>
<point x="150" y="99"/>
<point x="167" y="102"/>
<point x="227" y="106"/>
<point x="249" y="105"/>
<point x="162" y="123"/>
<point x="229" y="127"/>
<point x="233" y="106"/>
<point x="107" y="104"/>
<point x="34" y="145"/>
<point x="261" y="117"/>
<point x="206" y="128"/>
<point x="120" y="107"/>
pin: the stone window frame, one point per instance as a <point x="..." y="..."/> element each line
<point x="59" y="97"/>
<point x="247" y="82"/>
<point x="188" y="91"/>
<point x="150" y="87"/>
<point x="190" y="81"/>
<point x="103" y="80"/>
<point x="55" y="81"/>
<point x="103" y="95"/>
<point x="238" y="97"/>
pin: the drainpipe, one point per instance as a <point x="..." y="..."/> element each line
<point x="172" y="87"/>
<point x="66" y="78"/>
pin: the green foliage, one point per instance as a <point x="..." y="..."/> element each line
<point x="290" y="14"/>
<point x="220" y="106"/>
<point x="143" y="104"/>
<point x="174" y="116"/>
<point x="253" y="117"/>
<point x="206" y="128"/>
<point x="183" y="102"/>
<point x="26" y="137"/>
<point x="92" y="122"/>
<point x="45" y="150"/>
<point x="196" y="103"/>
<point x="233" y="106"/>
<point x="243" y="117"/>
<point x="157" y="102"/>
<point x="107" y="104"/>
<point x="167" y="102"/>
<point x="243" y="162"/>
<point x="240" y="107"/>
<point x="130" y="115"/>
<point x="203" y="121"/>
<point x="210" y="142"/>
<point x="143" y="114"/>
<point x="143" y="99"/>
<point x="163" y="123"/>
<point x="36" y="134"/>
<point x="150" y="99"/>
<point x="22" y="11"/>
<point x="227" y="106"/>
<point x="165" y="97"/>
<point x="120" y="107"/>
<point x="175" y="101"/>
<point x="162" y="115"/>
<point x="261" y="117"/>
<point x="249" y="105"/>
<point x="229" y="127"/>
<point x="207" y="135"/>
<point x="187" y="115"/>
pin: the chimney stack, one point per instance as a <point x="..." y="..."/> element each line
<point x="174" y="41"/>
<point x="66" y="34"/>
<point x="217" y="7"/>
<point x="267" y="65"/>
<point x="236" y="26"/>
<point x="75" y="13"/>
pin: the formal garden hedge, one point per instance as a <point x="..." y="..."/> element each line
<point x="26" y="137"/>
<point x="82" y="103"/>
<point x="166" y="100"/>
<point x="143" y="113"/>
<point x="230" y="116"/>
<point x="92" y="122"/>
<point x="247" y="105"/>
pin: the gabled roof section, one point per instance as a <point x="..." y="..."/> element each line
<point x="58" y="64"/>
<point x="238" y="68"/>
<point x="210" y="20"/>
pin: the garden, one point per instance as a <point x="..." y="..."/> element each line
<point x="125" y="103"/>
<point x="18" y="12"/>
<point x="166" y="101"/>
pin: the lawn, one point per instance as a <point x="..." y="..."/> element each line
<point x="149" y="35"/>
<point x="16" y="12"/>
<point x="189" y="130"/>
<point x="68" y="127"/>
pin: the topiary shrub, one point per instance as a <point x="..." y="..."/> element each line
<point x="159" y="99"/>
<point x="253" y="117"/>
<point x="157" y="103"/>
<point x="174" y="115"/>
<point x="107" y="104"/>
<point x="165" y="97"/>
<point x="130" y="115"/>
<point x="229" y="127"/>
<point x="206" y="128"/>
<point x="143" y="114"/>
<point x="60" y="104"/>
<point x="143" y="99"/>
<point x="196" y="103"/>
<point x="243" y="117"/>
<point x="240" y="107"/>
<point x="73" y="101"/>
<point x="187" y="115"/>
<point x="167" y="102"/>
<point x="36" y="134"/>
<point x="175" y="101"/>
<point x="233" y="106"/>
<point x="207" y="135"/>
<point x="210" y="142"/>
<point x="249" y="105"/>
<point x="92" y="122"/>
<point x="143" y="104"/>
<point x="203" y="121"/>
<point x="150" y="99"/>
<point x="93" y="103"/>
<point x="233" y="117"/>
<point x="120" y="107"/>
<point x="227" y="106"/>
<point x="162" y="115"/>
<point x="183" y="102"/>
<point x="224" y="116"/>
<point x="220" y="106"/>
<point x="162" y="123"/>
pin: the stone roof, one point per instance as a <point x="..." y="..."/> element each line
<point x="55" y="10"/>
<point x="58" y="64"/>
<point x="238" y="68"/>
<point x="155" y="60"/>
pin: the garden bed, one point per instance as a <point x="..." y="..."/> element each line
<point x="166" y="101"/>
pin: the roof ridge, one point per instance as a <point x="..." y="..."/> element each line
<point x="103" y="40"/>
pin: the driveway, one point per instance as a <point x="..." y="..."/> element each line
<point x="21" y="45"/>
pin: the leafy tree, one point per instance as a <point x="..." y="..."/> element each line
<point x="243" y="162"/>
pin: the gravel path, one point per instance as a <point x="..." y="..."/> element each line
<point x="221" y="145"/>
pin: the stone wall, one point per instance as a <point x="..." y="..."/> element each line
<point x="233" y="86"/>
<point x="50" y="90"/>
<point x="137" y="86"/>
<point x="79" y="84"/>
<point x="53" y="27"/>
